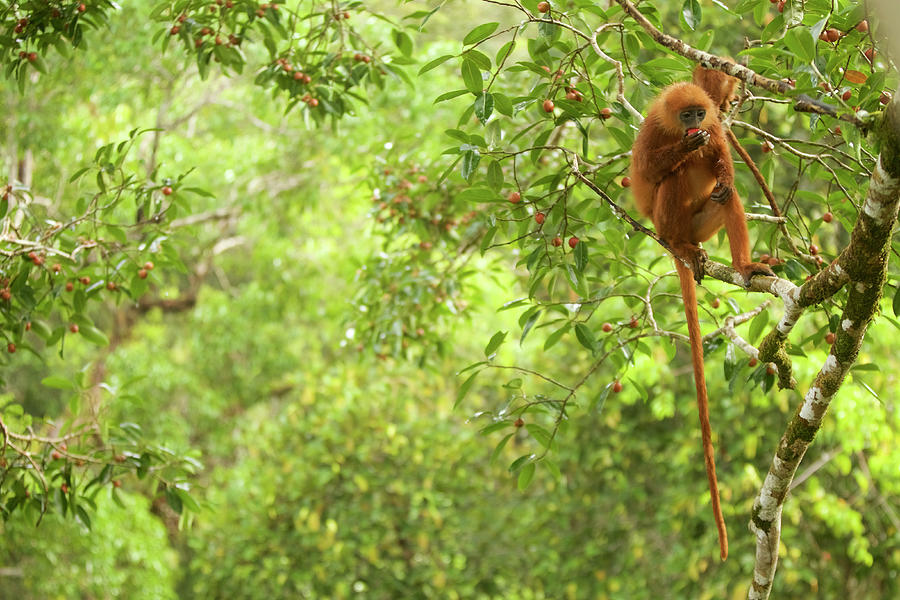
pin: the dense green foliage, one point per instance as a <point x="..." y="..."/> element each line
<point x="332" y="353"/>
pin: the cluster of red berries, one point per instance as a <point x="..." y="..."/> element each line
<point x="297" y="74"/>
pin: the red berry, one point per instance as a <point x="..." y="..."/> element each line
<point x="116" y="483"/>
<point x="633" y="323"/>
<point x="519" y="422"/>
<point x="167" y="190"/>
<point x="829" y="338"/>
<point x="32" y="56"/>
<point x="781" y="6"/>
<point x="770" y="369"/>
<point x="607" y="327"/>
<point x="862" y="26"/>
<point x="27" y="325"/>
<point x="752" y="362"/>
<point x="833" y="35"/>
<point x="175" y="29"/>
<point x="847" y="95"/>
<point x="573" y="241"/>
<point x="543" y="7"/>
<point x="715" y="303"/>
<point x="5" y="294"/>
<point x="885" y="97"/>
<point x="142" y="273"/>
<point x="70" y="286"/>
<point x="626" y="182"/>
<point x="515" y="197"/>
<point x="870" y="54"/>
<point x="557" y="241"/>
<point x="73" y="328"/>
<point x="313" y="102"/>
<point x="827" y="217"/>
<point x="57" y="268"/>
<point x="85" y="280"/>
<point x="548" y="105"/>
<point x="111" y="286"/>
<point x="148" y="265"/>
<point x="64" y="489"/>
<point x="605" y="113"/>
<point x="616" y="387"/>
<point x="766" y="147"/>
<point x="539" y="217"/>
<point x="823" y="36"/>
<point x="837" y="130"/>
<point x="55" y="455"/>
<point x="82" y="8"/>
<point x="11" y="348"/>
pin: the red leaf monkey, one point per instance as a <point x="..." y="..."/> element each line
<point x="683" y="179"/>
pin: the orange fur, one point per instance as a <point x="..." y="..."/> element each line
<point x="675" y="184"/>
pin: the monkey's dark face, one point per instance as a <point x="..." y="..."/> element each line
<point x="692" y="117"/>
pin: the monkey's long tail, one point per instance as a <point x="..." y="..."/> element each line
<point x="689" y="294"/>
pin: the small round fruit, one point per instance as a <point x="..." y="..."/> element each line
<point x="313" y="102"/>
<point x="885" y="97"/>
<point x="616" y="387"/>
<point x="539" y="217"/>
<point x="82" y="8"/>
<point x="148" y="265"/>
<point x="870" y="54"/>
<point x="770" y="369"/>
<point x="557" y="241"/>
<point x="752" y="362"/>
<point x="829" y="338"/>
<point x="175" y="29"/>
<point x="519" y="422"/>
<point x="167" y="190"/>
<point x="607" y="327"/>
<point x="5" y="294"/>
<point x="142" y="273"/>
<point x="11" y="348"/>
<point x="715" y="303"/>
<point x="605" y="113"/>
<point x="573" y="241"/>
<point x="515" y="197"/>
<point x="116" y="483"/>
<point x="813" y="249"/>
<point x="633" y="323"/>
<point x="55" y="455"/>
<point x="111" y="286"/>
<point x="70" y="286"/>
<point x="766" y="147"/>
<point x="32" y="56"/>
<point x="828" y="217"/>
<point x="833" y="35"/>
<point x="837" y="130"/>
<point x="57" y="268"/>
<point x="626" y="182"/>
<point x="64" y="489"/>
<point x="543" y="7"/>
<point x="27" y="325"/>
<point x="548" y="106"/>
<point x="781" y="4"/>
<point x="73" y="328"/>
<point x="847" y="95"/>
<point x="85" y="280"/>
<point x="862" y="26"/>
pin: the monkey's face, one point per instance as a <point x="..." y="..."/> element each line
<point x="692" y="117"/>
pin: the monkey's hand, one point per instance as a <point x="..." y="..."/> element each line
<point x="694" y="140"/>
<point x="721" y="193"/>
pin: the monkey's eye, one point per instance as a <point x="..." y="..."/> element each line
<point x="701" y="114"/>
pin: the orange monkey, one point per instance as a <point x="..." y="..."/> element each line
<point x="683" y="179"/>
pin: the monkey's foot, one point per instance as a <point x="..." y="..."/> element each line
<point x="748" y="270"/>
<point x="694" y="256"/>
<point x="721" y="193"/>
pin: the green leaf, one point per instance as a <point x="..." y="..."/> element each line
<point x="403" y="42"/>
<point x="581" y="256"/>
<point x="529" y="324"/>
<point x="499" y="448"/>
<point x="94" y="335"/>
<point x="554" y="337"/>
<point x="525" y="476"/>
<point x="585" y="336"/>
<point x="495" y="176"/>
<point x="477" y="195"/>
<point x="450" y="95"/>
<point x="435" y="63"/>
<point x="464" y="388"/>
<point x="495" y="342"/>
<point x="542" y="436"/>
<point x="484" y="106"/>
<point x="472" y="76"/>
<point x="691" y="13"/>
<point x="757" y="325"/>
<point x="480" y="33"/>
<point x="470" y="161"/>
<point x="897" y="302"/>
<point x="57" y="382"/>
